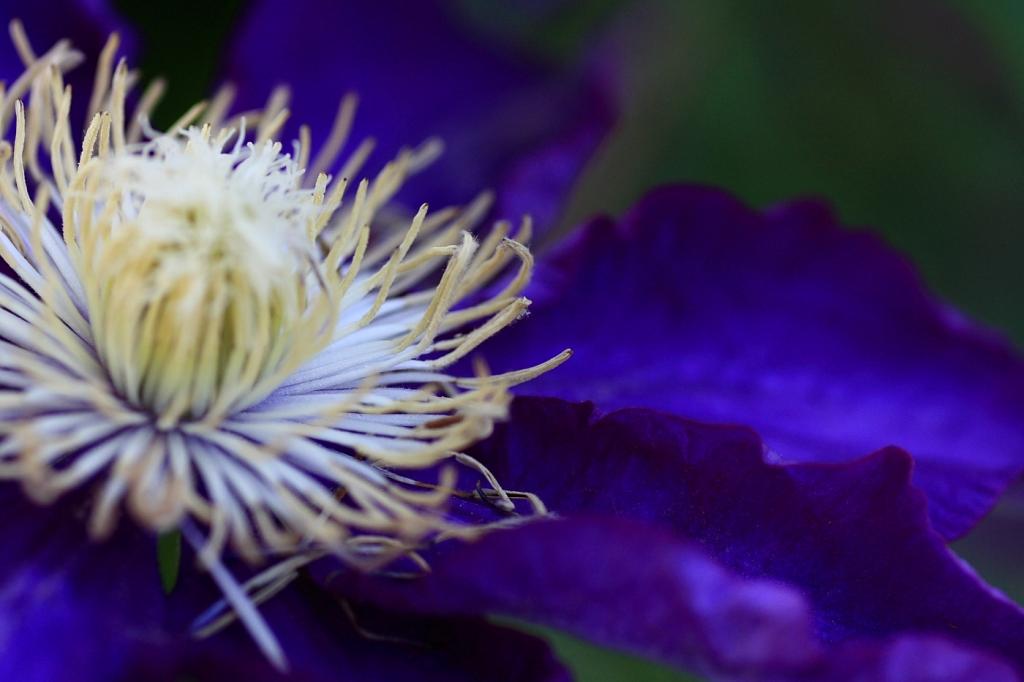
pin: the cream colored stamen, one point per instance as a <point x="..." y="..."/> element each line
<point x="212" y="338"/>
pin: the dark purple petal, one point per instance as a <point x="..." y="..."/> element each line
<point x="825" y="565"/>
<point x="75" y="610"/>
<point x="915" y="659"/>
<point x="618" y="583"/>
<point x="70" y="608"/>
<point x="323" y="644"/>
<point x="87" y="23"/>
<point x="822" y="339"/>
<point x="507" y="122"/>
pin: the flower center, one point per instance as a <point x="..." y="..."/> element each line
<point x="205" y="334"/>
<point x="199" y="272"/>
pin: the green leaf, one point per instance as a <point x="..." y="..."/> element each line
<point x="592" y="663"/>
<point x="168" y="557"/>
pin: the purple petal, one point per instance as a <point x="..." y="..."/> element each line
<point x="68" y="608"/>
<point x="618" y="583"/>
<point x="86" y="23"/>
<point x="324" y="645"/>
<point x="745" y="565"/>
<point x="75" y="610"/>
<point x="915" y="659"/>
<point x="822" y="339"/>
<point x="507" y="122"/>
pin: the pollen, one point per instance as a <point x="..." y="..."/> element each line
<point x="221" y="334"/>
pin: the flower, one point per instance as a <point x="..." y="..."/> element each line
<point x="701" y="545"/>
<point x="197" y="329"/>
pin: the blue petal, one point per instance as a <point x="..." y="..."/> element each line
<point x="75" y="610"/>
<point x="680" y="541"/>
<point x="508" y="122"/>
<point x="821" y="338"/>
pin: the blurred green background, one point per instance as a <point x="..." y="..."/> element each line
<point x="908" y="117"/>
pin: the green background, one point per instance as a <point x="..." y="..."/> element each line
<point x="908" y="117"/>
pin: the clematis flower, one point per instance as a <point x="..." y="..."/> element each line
<point x="198" y="331"/>
<point x="706" y="546"/>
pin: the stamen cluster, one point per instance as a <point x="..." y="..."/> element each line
<point x="197" y="328"/>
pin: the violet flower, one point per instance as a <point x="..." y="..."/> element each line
<point x="695" y="544"/>
<point x="200" y="332"/>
